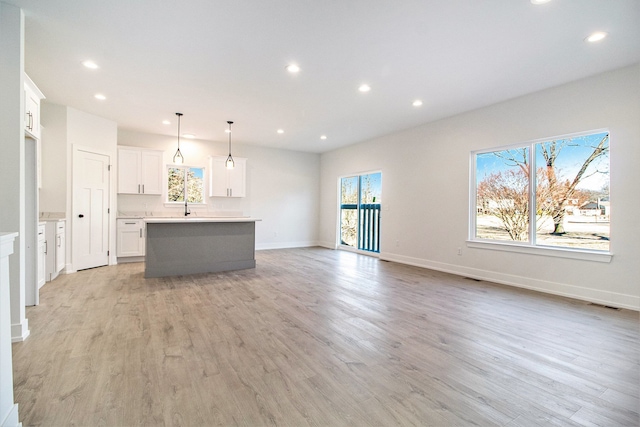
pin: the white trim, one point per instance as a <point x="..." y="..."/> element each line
<point x="358" y="251"/>
<point x="11" y="419"/>
<point x="581" y="254"/>
<point x="328" y="245"/>
<point x="531" y="246"/>
<point x="613" y="299"/>
<point x="285" y="245"/>
<point x="20" y="331"/>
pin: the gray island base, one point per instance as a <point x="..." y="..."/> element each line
<point x="180" y="246"/>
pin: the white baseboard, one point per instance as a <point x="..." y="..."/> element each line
<point x="284" y="245"/>
<point x="20" y="331"/>
<point x="328" y="245"/>
<point x="11" y="419"/>
<point x="577" y="292"/>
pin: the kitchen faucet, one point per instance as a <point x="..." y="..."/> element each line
<point x="186" y="209"/>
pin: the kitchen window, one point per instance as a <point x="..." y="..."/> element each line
<point x="551" y="193"/>
<point x="185" y="182"/>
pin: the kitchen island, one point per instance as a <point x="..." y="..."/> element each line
<point x="179" y="246"/>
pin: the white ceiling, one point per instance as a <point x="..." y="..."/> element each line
<point x="216" y="60"/>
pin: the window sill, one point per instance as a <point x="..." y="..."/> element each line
<point x="583" y="254"/>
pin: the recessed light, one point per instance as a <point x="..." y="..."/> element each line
<point x="323" y="137"/>
<point x="364" y="88"/>
<point x="596" y="37"/>
<point x="280" y="131"/>
<point x="293" y="68"/>
<point x="540" y="1"/>
<point x="90" y="64"/>
<point x="188" y="135"/>
<point x="417" y="103"/>
<point x="100" y="96"/>
<point x="166" y="122"/>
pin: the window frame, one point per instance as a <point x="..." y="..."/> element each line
<point x="168" y="202"/>
<point x="530" y="247"/>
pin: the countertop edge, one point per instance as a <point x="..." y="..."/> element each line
<point x="197" y="219"/>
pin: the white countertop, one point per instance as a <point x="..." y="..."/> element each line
<point x="174" y="220"/>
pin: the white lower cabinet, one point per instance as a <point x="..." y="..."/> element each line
<point x="56" y="248"/>
<point x="130" y="240"/>
<point x="42" y="255"/>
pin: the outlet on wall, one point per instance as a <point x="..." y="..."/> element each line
<point x="459" y="251"/>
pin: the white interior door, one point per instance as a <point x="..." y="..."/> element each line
<point x="90" y="209"/>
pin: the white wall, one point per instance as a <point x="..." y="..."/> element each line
<point x="13" y="324"/>
<point x="13" y="158"/>
<point x="64" y="128"/>
<point x="282" y="188"/>
<point x="425" y="187"/>
<point x="54" y="152"/>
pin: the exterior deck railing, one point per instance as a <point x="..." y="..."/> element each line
<point x="368" y="225"/>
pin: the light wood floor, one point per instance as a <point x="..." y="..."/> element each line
<point x="319" y="337"/>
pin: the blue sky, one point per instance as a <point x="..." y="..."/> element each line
<point x="568" y="162"/>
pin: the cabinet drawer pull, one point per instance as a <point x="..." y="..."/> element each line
<point x="130" y="223"/>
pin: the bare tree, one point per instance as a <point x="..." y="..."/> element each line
<point x="560" y="191"/>
<point x="506" y="194"/>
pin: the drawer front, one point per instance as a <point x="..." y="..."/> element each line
<point x="130" y="223"/>
<point x="60" y="227"/>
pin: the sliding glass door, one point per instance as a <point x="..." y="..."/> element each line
<point x="360" y="198"/>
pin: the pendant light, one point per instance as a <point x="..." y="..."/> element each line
<point x="230" y="163"/>
<point x="177" y="158"/>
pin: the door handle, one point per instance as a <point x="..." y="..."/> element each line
<point x="81" y="216"/>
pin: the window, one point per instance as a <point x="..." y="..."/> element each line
<point x="185" y="181"/>
<point x="563" y="204"/>
<point x="360" y="211"/>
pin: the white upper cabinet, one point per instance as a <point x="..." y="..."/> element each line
<point x="139" y="171"/>
<point x="32" y="97"/>
<point x="225" y="182"/>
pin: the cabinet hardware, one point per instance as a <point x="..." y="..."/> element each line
<point x="46" y="247"/>
<point x="138" y="188"/>
<point x="141" y="232"/>
<point x="142" y="188"/>
<point x="130" y="223"/>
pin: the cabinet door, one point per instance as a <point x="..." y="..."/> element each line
<point x="32" y="113"/>
<point x="151" y="172"/>
<point x="42" y="257"/>
<point x="237" y="178"/>
<point x="218" y="178"/>
<point x="130" y="239"/>
<point x="60" y="248"/>
<point x="129" y="171"/>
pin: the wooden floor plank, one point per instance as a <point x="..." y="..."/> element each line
<point x="321" y="338"/>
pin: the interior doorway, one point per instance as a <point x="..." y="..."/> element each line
<point x="360" y="205"/>
<point x="90" y="210"/>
